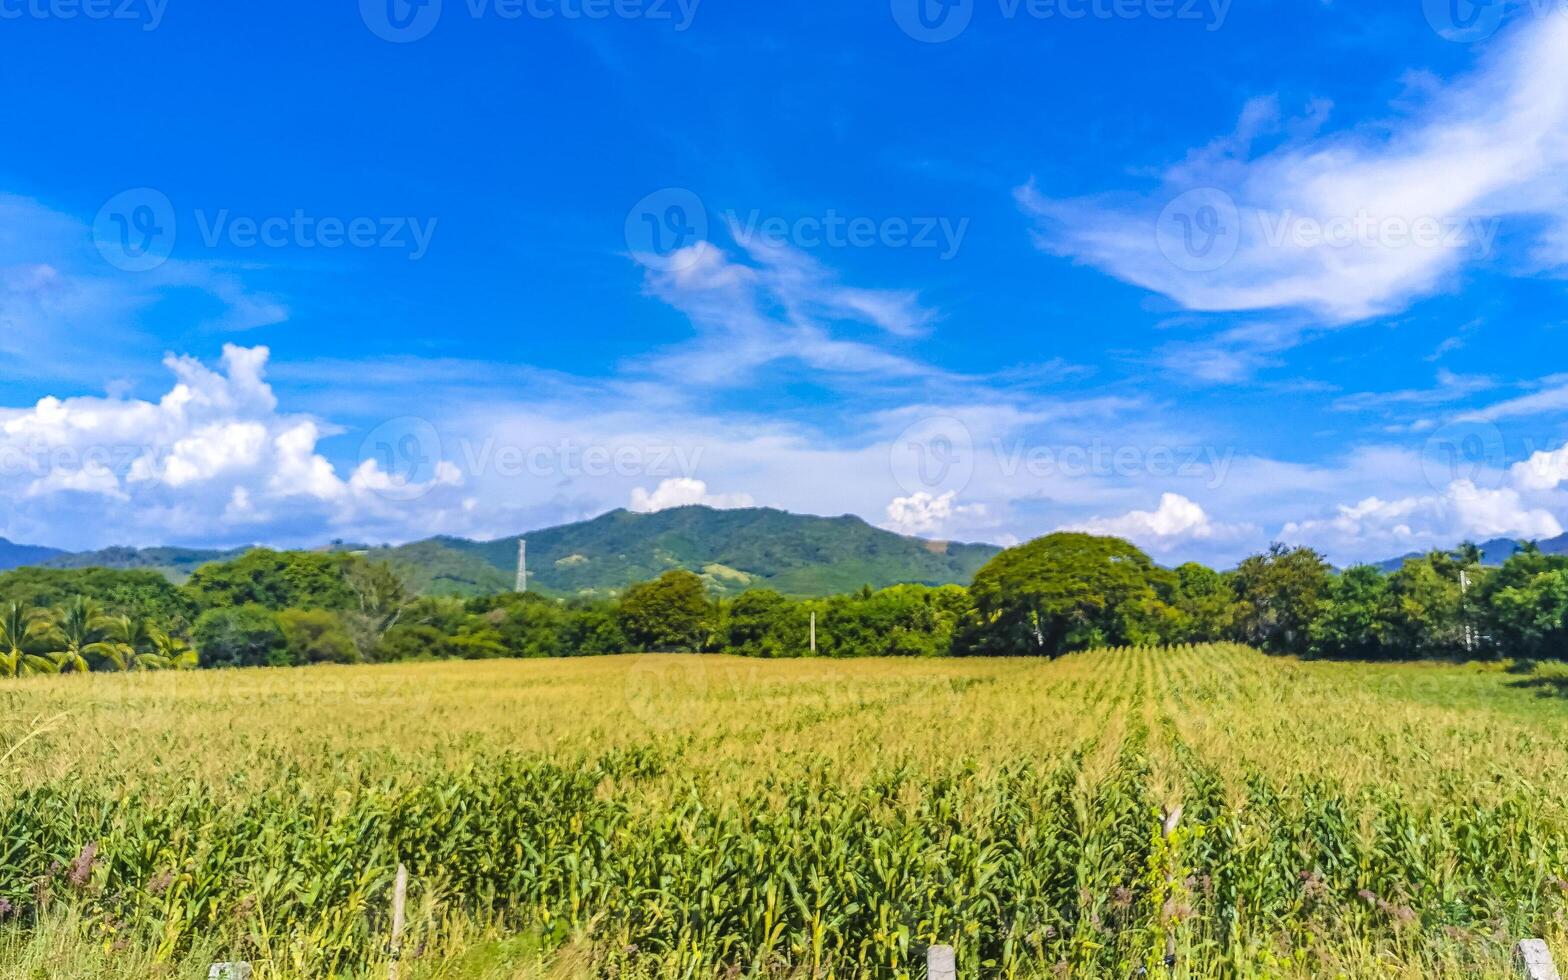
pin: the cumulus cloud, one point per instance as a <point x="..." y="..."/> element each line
<point x="685" y="492"/>
<point x="1177" y="521"/>
<point x="1462" y="511"/>
<point x="1348" y="225"/>
<point x="1542" y="471"/>
<point x="211" y="460"/>
<point x="924" y="513"/>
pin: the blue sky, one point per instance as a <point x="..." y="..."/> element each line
<point x="1204" y="274"/>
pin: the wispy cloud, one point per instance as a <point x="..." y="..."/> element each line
<point x="1347" y="225"/>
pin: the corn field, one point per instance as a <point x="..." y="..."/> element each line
<point x="717" y="817"/>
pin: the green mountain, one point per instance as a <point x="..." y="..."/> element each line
<point x="176" y="564"/>
<point x="14" y="555"/>
<point x="732" y="549"/>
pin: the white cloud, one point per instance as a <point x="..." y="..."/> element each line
<point x="1545" y="470"/>
<point x="213" y="452"/>
<point x="1462" y="511"/>
<point x="1177" y="521"/>
<point x="1489" y="146"/>
<point x="783" y="307"/>
<point x="924" y="513"/>
<point x="685" y="492"/>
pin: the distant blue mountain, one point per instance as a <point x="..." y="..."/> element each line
<point x="1493" y="552"/>
<point x="16" y="555"/>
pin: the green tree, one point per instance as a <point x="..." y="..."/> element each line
<point x="1426" y="615"/>
<point x="22" y="627"/>
<point x="672" y="613"/>
<point x="1355" y="621"/>
<point x="1205" y="604"/>
<point x="78" y="633"/>
<point x="139" y="593"/>
<point x="317" y="636"/>
<point x="1532" y="614"/>
<point x="173" y="650"/>
<point x="380" y="598"/>
<point x="132" y="644"/>
<point x="763" y="623"/>
<point x="276" y="580"/>
<point x="1062" y="592"/>
<point x="241" y="636"/>
<point x="1282" y="592"/>
<point x="591" y="629"/>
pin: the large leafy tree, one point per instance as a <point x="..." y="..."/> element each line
<point x="241" y="636"/>
<point x="277" y="580"/>
<point x="763" y="623"/>
<point x="672" y="613"/>
<point x="1282" y="593"/>
<point x="1354" y="624"/>
<point x="1064" y="592"/>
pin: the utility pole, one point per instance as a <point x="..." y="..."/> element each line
<point x="522" y="564"/>
<point x="1464" y="590"/>
<point x="813" y="633"/>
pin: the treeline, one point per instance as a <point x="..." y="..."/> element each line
<point x="1058" y="594"/>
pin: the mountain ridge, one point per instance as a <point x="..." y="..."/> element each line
<point x="733" y="550"/>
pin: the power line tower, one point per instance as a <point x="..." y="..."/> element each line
<point x="522" y="565"/>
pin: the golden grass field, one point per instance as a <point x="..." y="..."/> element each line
<point x="710" y="816"/>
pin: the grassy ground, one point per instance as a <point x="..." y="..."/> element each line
<point x="681" y="816"/>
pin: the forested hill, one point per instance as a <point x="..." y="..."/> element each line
<point x="14" y="555"/>
<point x="1493" y="552"/>
<point x="732" y="549"/>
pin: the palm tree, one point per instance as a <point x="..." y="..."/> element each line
<point x="22" y="626"/>
<point x="78" y="634"/>
<point x="131" y="644"/>
<point x="172" y="651"/>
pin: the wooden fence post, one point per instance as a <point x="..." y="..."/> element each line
<point x="941" y="963"/>
<point x="1535" y="960"/>
<point x="399" y="898"/>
